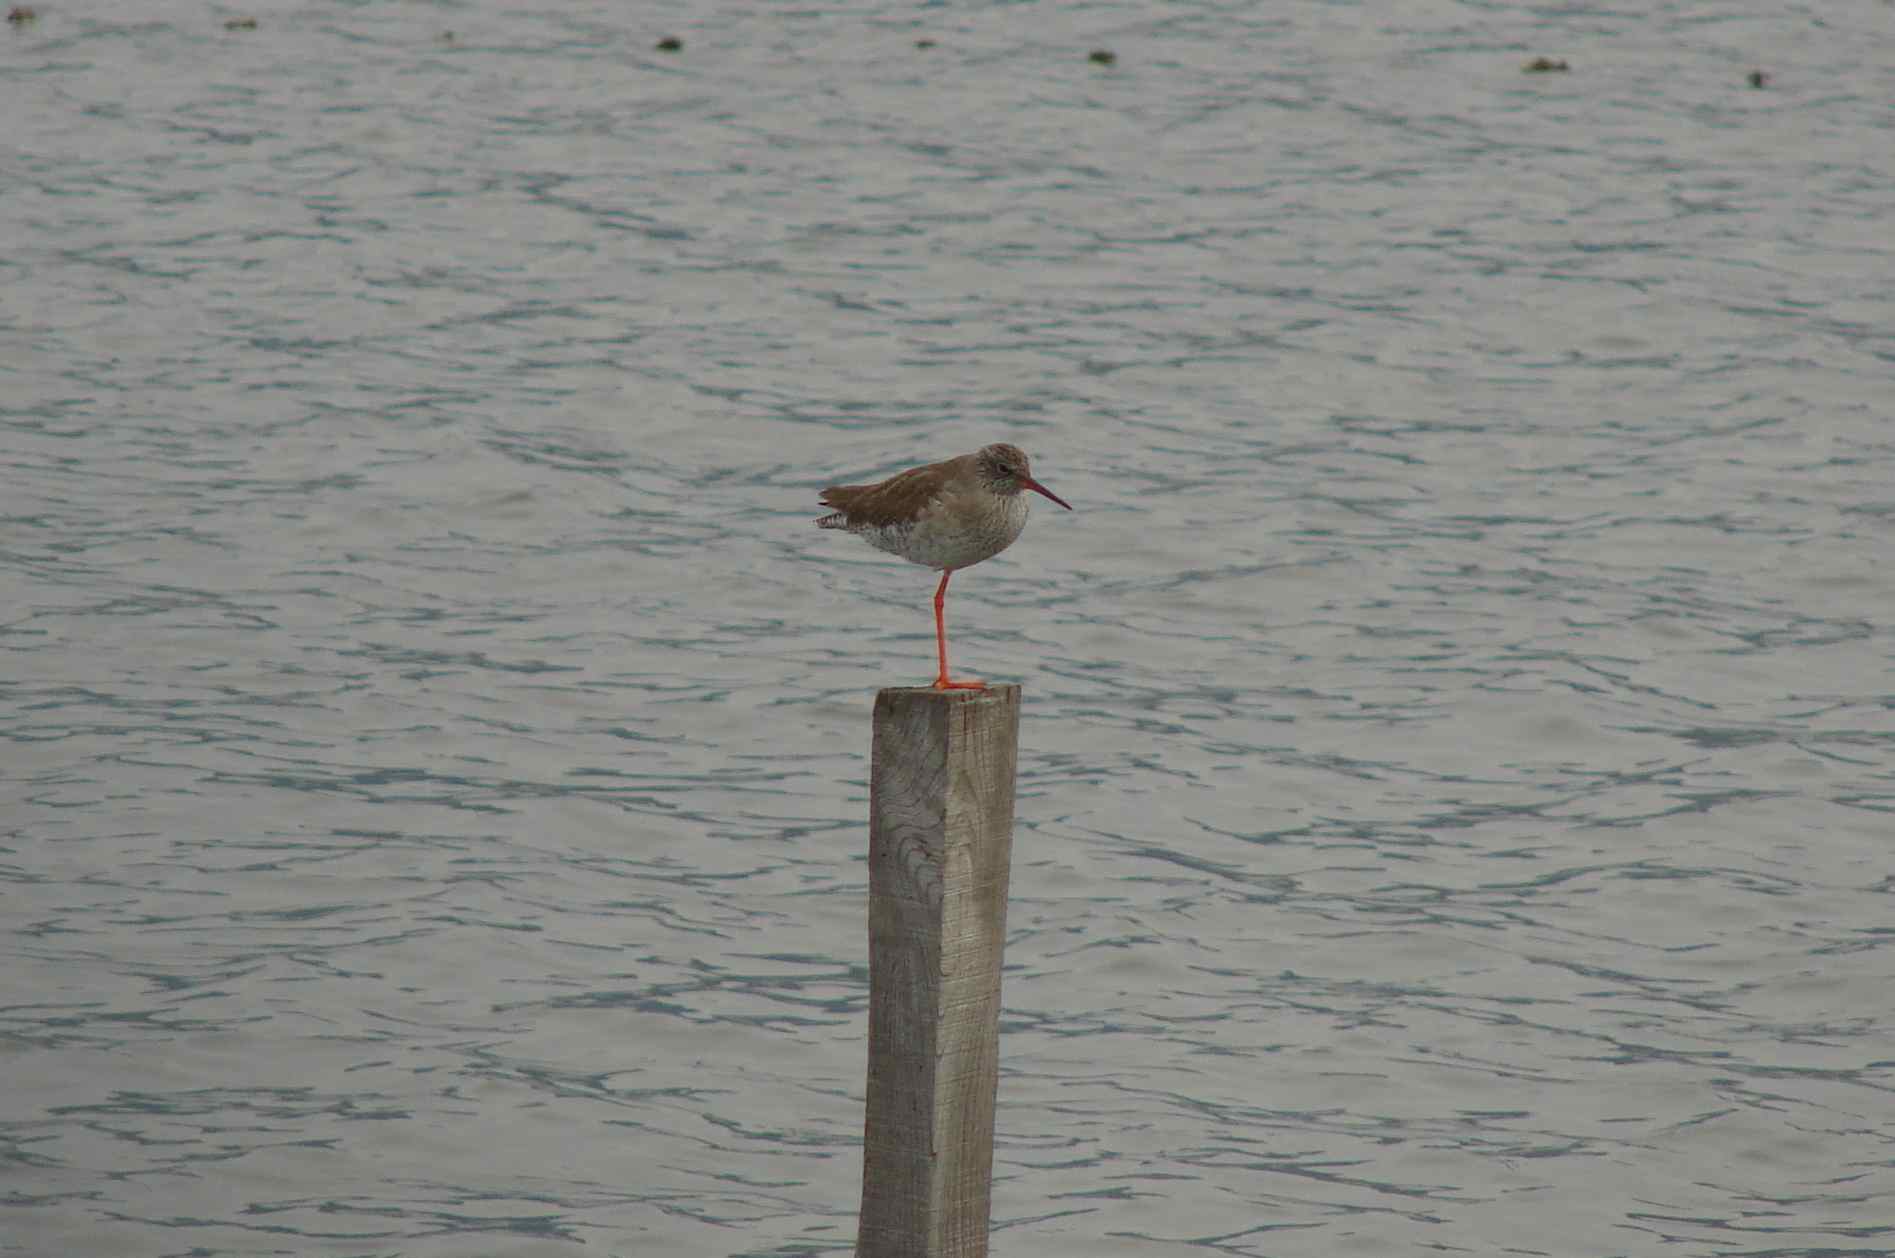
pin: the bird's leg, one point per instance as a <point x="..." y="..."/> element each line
<point x="940" y="639"/>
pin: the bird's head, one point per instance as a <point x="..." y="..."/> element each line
<point x="1007" y="470"/>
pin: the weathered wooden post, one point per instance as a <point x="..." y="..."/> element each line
<point x="941" y="778"/>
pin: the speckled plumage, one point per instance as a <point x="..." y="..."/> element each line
<point x="946" y="516"/>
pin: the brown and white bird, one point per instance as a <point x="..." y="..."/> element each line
<point x="948" y="515"/>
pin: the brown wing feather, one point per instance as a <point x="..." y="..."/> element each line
<point x="900" y="497"/>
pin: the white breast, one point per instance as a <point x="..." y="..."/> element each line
<point x="954" y="532"/>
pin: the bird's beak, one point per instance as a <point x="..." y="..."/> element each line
<point x="1027" y="482"/>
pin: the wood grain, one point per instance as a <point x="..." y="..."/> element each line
<point x="940" y="851"/>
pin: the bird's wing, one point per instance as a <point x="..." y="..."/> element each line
<point x="891" y="501"/>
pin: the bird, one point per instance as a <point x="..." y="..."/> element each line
<point x="947" y="516"/>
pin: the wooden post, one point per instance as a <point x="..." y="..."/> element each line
<point x="940" y="848"/>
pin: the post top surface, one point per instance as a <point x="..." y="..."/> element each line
<point x="1007" y="691"/>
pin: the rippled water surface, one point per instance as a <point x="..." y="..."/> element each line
<point x="1458" y="772"/>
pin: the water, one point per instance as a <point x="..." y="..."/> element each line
<point x="1456" y="785"/>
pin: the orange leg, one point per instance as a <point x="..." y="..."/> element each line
<point x="940" y="640"/>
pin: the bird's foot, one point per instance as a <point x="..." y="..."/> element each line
<point x="942" y="683"/>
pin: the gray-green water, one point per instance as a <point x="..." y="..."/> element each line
<point x="1456" y="782"/>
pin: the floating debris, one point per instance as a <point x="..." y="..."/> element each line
<point x="1103" y="57"/>
<point x="21" y="14"/>
<point x="241" y="24"/>
<point x="1545" y="65"/>
<point x="1757" y="78"/>
<point x="924" y="43"/>
<point x="670" y="43"/>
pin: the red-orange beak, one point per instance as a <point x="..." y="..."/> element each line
<point x="1027" y="482"/>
